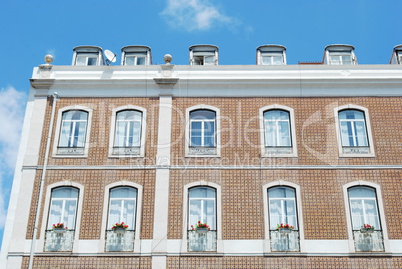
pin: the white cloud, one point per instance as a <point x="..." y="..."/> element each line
<point x="12" y="104"/>
<point x="194" y="15"/>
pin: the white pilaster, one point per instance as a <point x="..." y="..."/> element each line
<point x="159" y="243"/>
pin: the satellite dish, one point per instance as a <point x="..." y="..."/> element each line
<point x="110" y="56"/>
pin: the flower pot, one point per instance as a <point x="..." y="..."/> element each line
<point x="284" y="230"/>
<point x="201" y="230"/>
<point x="119" y="230"/>
<point x="366" y="230"/>
<point x="59" y="230"/>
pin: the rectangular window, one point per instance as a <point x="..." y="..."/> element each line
<point x="340" y="58"/>
<point x="135" y="59"/>
<point x="202" y="132"/>
<point x="84" y="59"/>
<point x="272" y="58"/>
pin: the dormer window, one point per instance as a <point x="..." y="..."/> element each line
<point x="271" y="55"/>
<point x="396" y="57"/>
<point x="203" y="55"/>
<point x="87" y="55"/>
<point x="136" y="55"/>
<point x="339" y="55"/>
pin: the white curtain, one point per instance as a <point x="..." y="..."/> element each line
<point x="363" y="207"/>
<point x="202" y="206"/>
<point x="63" y="207"/>
<point x="122" y="207"/>
<point x="282" y="207"/>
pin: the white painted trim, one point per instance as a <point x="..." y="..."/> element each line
<point x="202" y="183"/>
<point x="292" y="130"/>
<point x="113" y="128"/>
<point x="58" y="128"/>
<point x="267" y="243"/>
<point x="138" y="214"/>
<point x="368" y="127"/>
<point x="46" y="208"/>
<point x="381" y="212"/>
<point x="217" y="129"/>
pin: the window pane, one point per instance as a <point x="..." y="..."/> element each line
<point x="277" y="128"/>
<point x="122" y="206"/>
<point x="202" y="206"/>
<point x="361" y="136"/>
<point x="140" y="60"/>
<point x="63" y="207"/>
<point x="73" y="129"/>
<point x="282" y="207"/>
<point x="202" y="128"/>
<point x="363" y="207"/>
<point x="92" y="61"/>
<point x="128" y="129"/>
<point x="129" y="60"/>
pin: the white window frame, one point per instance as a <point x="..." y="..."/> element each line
<point x="217" y="130"/>
<point x="282" y="183"/>
<point x="58" y="132"/>
<point x="135" y="55"/>
<point x="381" y="212"/>
<point x="271" y="56"/>
<point x="264" y="152"/>
<point x="371" y="152"/>
<point x="105" y="215"/>
<point x="113" y="129"/>
<point x="219" y="246"/>
<point x="45" y="215"/>
<point x="87" y="55"/>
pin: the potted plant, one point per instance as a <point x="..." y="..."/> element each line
<point x="367" y="228"/>
<point x="119" y="228"/>
<point x="200" y="227"/>
<point x="59" y="228"/>
<point x="284" y="228"/>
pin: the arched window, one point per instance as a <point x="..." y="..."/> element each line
<point x="128" y="129"/>
<point x="277" y="128"/>
<point x="122" y="207"/>
<point x="353" y="131"/>
<point x="63" y="207"/>
<point x="363" y="207"/>
<point x="73" y="129"/>
<point x="282" y="207"/>
<point x="365" y="219"/>
<point x="353" y="128"/>
<point x="202" y="128"/>
<point x="202" y="206"/>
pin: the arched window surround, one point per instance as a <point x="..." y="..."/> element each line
<point x="58" y="131"/>
<point x="217" y="130"/>
<point x="123" y="183"/>
<point x="293" y="152"/>
<point x="113" y="129"/>
<point x="282" y="183"/>
<point x="217" y="188"/>
<point x="46" y="210"/>
<point x="381" y="212"/>
<point x="371" y="152"/>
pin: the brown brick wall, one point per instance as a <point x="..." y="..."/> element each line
<point x="100" y="130"/>
<point x="322" y="200"/>
<point x="202" y="262"/>
<point x="315" y="130"/>
<point x="94" y="182"/>
<point x="283" y="262"/>
<point x="82" y="262"/>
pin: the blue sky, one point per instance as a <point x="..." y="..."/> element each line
<point x="32" y="29"/>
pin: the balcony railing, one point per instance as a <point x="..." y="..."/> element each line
<point x="368" y="241"/>
<point x="120" y="241"/>
<point x="59" y="241"/>
<point x="201" y="241"/>
<point x="281" y="241"/>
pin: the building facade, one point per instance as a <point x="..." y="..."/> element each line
<point x="209" y="166"/>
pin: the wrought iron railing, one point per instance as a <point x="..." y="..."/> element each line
<point x="368" y="240"/>
<point x="123" y="241"/>
<point x="59" y="240"/>
<point x="201" y="241"/>
<point x="285" y="241"/>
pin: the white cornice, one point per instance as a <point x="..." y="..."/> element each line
<point x="221" y="81"/>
